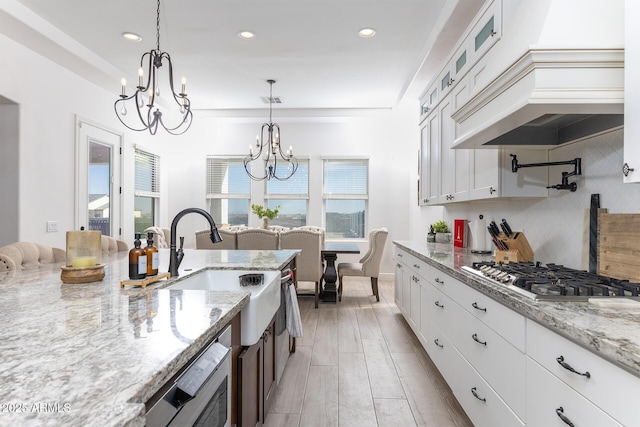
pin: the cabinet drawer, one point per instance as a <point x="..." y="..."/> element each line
<point x="548" y="398"/>
<point x="500" y="363"/>
<point x="609" y="387"/>
<point x="485" y="408"/>
<point x="441" y="310"/>
<point x="506" y="322"/>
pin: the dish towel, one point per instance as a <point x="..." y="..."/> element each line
<point x="294" y="323"/>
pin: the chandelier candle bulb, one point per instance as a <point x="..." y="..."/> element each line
<point x="123" y="82"/>
<point x="140" y="76"/>
<point x="184" y="85"/>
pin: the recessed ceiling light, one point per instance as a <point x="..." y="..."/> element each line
<point x="132" y="36"/>
<point x="367" y="32"/>
<point x="246" y="35"/>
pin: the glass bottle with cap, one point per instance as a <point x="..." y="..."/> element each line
<point x="137" y="260"/>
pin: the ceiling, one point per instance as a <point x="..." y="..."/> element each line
<point x="311" y="48"/>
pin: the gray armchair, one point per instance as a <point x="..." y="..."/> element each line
<point x="369" y="265"/>
<point x="308" y="263"/>
<point x="257" y="239"/>
<point x="229" y="240"/>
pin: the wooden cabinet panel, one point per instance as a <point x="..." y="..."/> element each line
<point x="250" y="385"/>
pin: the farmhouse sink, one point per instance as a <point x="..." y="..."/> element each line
<point x="263" y="303"/>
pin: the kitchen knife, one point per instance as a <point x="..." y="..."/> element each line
<point x="495" y="228"/>
<point x="506" y="228"/>
<point x="491" y="232"/>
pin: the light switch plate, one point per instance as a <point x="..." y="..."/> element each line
<point x="52" y="226"/>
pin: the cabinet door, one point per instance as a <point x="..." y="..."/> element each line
<point x="631" y="90"/>
<point x="397" y="285"/>
<point x="430" y="161"/>
<point x="454" y="173"/>
<point x="406" y="292"/>
<point x="484" y="177"/>
<point x="250" y="385"/>
<point x="415" y="304"/>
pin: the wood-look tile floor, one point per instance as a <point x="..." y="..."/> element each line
<point x="360" y="364"/>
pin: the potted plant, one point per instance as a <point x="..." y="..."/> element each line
<point x="265" y="213"/>
<point x="442" y="231"/>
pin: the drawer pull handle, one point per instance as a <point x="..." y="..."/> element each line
<point x="437" y="303"/>
<point x="475" y="394"/>
<point x="569" y="368"/>
<point x="416" y="266"/>
<point x="436" y="342"/>
<point x="563" y="417"/>
<point x="475" y="338"/>
<point x="475" y="305"/>
<point x="437" y="279"/>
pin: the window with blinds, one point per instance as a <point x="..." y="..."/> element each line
<point x="146" y="189"/>
<point x="290" y="197"/>
<point x="345" y="194"/>
<point x="228" y="190"/>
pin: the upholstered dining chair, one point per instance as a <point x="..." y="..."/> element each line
<point x="369" y="265"/>
<point x="229" y="241"/>
<point x="308" y="263"/>
<point x="26" y="255"/>
<point x="161" y="238"/>
<point x="257" y="239"/>
<point x="110" y="245"/>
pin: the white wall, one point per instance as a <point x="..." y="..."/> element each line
<point x="49" y="97"/>
<point x="556" y="227"/>
<point x="386" y="137"/>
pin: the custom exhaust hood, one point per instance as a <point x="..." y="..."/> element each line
<point x="567" y="85"/>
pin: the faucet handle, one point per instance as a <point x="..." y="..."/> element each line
<point x="181" y="241"/>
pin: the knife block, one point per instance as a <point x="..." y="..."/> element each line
<point x="519" y="249"/>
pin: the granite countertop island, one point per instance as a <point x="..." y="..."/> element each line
<point x="92" y="354"/>
<point x="613" y="333"/>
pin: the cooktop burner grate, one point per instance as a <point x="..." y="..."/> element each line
<point x="554" y="281"/>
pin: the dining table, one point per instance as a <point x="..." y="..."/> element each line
<point x="329" y="253"/>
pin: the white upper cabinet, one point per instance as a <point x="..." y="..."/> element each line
<point x="631" y="172"/>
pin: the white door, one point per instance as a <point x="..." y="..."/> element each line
<point x="98" y="191"/>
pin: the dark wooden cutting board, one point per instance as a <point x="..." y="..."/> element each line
<point x="619" y="246"/>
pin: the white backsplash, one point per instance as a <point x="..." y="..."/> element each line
<point x="557" y="226"/>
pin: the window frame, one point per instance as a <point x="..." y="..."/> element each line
<point x="154" y="160"/>
<point x="289" y="196"/>
<point x="210" y="196"/>
<point x="348" y="196"/>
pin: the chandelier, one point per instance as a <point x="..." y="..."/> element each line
<point x="271" y="144"/>
<point x="144" y="102"/>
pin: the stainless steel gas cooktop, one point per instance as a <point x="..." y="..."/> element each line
<point x="553" y="282"/>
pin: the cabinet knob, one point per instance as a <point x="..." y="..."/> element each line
<point x="626" y="169"/>
<point x="492" y="190"/>
<point x="450" y="82"/>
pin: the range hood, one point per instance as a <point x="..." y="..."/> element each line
<point x="550" y="81"/>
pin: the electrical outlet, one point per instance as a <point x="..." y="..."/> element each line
<point x="52" y="226"/>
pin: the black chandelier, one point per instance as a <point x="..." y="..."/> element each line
<point x="272" y="140"/>
<point x="144" y="98"/>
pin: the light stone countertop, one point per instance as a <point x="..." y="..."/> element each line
<point x="92" y="354"/>
<point x="611" y="333"/>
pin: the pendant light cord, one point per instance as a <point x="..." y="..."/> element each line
<point x="158" y="27"/>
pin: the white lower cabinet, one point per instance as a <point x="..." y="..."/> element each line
<point x="552" y="403"/>
<point x="479" y="400"/>
<point x="607" y="386"/>
<point x="506" y="370"/>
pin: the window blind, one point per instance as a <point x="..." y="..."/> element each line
<point x="147" y="173"/>
<point x="296" y="187"/>
<point x="227" y="176"/>
<point x="346" y="177"/>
